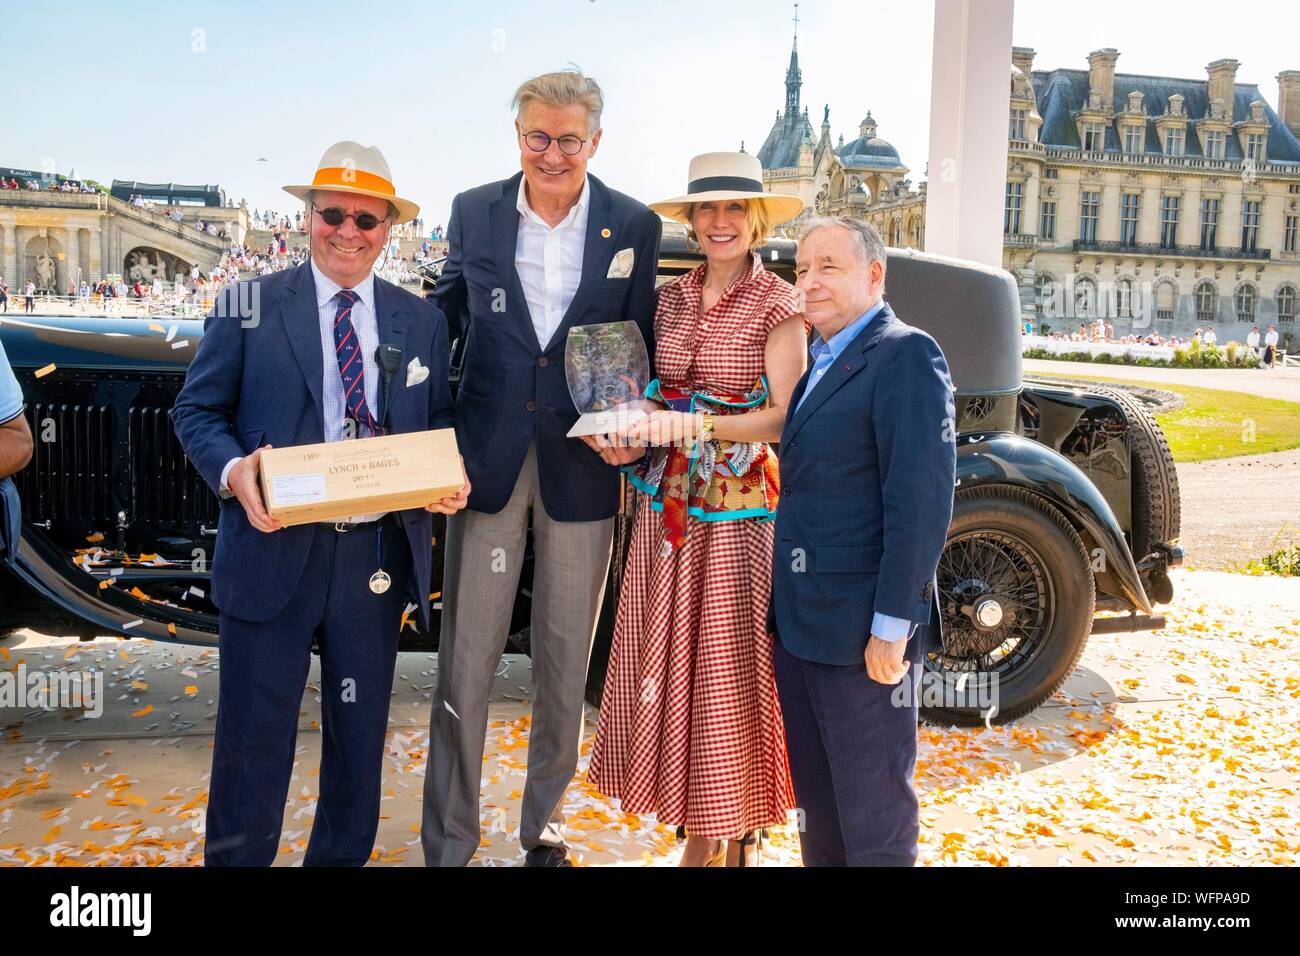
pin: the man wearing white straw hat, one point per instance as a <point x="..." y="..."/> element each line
<point x="325" y="351"/>
<point x="529" y="258"/>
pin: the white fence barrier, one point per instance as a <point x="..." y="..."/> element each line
<point x="1066" y="346"/>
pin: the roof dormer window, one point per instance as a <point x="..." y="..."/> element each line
<point x="1018" y="124"/>
<point x="1094" y="137"/>
<point x="1214" y="144"/>
<point x="1134" y="138"/>
<point x="1174" y="141"/>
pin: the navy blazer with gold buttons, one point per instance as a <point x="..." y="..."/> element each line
<point x="512" y="388"/>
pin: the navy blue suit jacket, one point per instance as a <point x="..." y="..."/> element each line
<point x="867" y="471"/>
<point x="512" y="387"/>
<point x="248" y="386"/>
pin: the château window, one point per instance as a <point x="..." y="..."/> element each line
<point x="1134" y="139"/>
<point x="1047" y="220"/>
<point x="1174" y="141"/>
<point x="1255" y="147"/>
<point x="1089" y="210"/>
<point x="1209" y="224"/>
<point x="1250" y="225"/>
<point x="1166" y="304"/>
<point x="1051" y="172"/>
<point x="1128" y="219"/>
<point x="1286" y="305"/>
<point x="1011" y="215"/>
<point x="1124" y="299"/>
<point x="1094" y="137"/>
<point x="1214" y="144"/>
<point x="1207" y="301"/>
<point x="1085" y="298"/>
<point x="1245" y="303"/>
<point x="1169" y="206"/>
<point x="1289" y="230"/>
<point x="1017" y="124"/>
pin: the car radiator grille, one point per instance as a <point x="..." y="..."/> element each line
<point x="71" y="474"/>
<point x="164" y="485"/>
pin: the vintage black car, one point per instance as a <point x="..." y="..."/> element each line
<point x="1066" y="500"/>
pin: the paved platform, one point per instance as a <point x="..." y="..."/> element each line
<point x="1171" y="748"/>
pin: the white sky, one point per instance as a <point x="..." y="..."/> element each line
<point x="125" y="94"/>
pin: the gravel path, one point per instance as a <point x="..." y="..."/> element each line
<point x="1235" y="509"/>
<point x="1267" y="383"/>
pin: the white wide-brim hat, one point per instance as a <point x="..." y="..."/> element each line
<point x="713" y="177"/>
<point x="349" y="167"/>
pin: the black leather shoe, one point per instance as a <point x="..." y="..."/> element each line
<point x="547" y="856"/>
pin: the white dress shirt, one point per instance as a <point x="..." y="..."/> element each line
<point x="549" y="261"/>
<point x="333" y="404"/>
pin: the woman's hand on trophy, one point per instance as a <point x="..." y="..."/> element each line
<point x="448" y="506"/>
<point x="664" y="427"/>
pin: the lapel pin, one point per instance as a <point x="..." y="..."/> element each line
<point x="604" y="233"/>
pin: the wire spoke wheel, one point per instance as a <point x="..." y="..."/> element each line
<point x="1016" y="599"/>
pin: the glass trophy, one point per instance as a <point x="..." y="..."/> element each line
<point x="607" y="368"/>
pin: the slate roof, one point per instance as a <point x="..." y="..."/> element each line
<point x="1062" y="92"/>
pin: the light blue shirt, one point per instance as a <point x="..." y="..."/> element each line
<point x="824" y="354"/>
<point x="11" y="396"/>
<point x="333" y="405"/>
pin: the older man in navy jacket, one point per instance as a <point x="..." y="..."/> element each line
<point x="293" y="358"/>
<point x="530" y="257"/>
<point x="867" y="470"/>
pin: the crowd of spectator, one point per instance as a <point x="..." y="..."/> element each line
<point x="54" y="186"/>
<point x="1100" y="331"/>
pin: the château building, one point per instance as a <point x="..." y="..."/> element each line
<point x="1161" y="204"/>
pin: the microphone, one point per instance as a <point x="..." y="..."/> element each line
<point x="389" y="360"/>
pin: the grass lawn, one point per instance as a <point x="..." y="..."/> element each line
<point x="1220" y="424"/>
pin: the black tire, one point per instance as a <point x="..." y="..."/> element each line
<point x="1157" y="503"/>
<point x="1012" y="546"/>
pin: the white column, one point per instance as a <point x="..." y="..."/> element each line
<point x="970" y="96"/>
<point x="95" y="268"/>
<point x="71" y="257"/>
<point x="17" y="278"/>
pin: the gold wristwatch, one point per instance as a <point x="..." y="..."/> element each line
<point x="706" y="430"/>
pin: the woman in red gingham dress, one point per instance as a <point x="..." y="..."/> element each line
<point x="690" y="726"/>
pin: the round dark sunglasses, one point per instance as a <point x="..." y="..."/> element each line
<point x="334" y="216"/>
<point x="540" y="142"/>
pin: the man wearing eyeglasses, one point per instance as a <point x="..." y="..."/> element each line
<point x="530" y="258"/>
<point x="325" y="351"/>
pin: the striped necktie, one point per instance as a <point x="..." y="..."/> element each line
<point x="347" y="349"/>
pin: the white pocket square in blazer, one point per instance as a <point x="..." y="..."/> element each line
<point x="620" y="267"/>
<point x="415" y="372"/>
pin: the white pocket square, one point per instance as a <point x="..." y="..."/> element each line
<point x="620" y="267"/>
<point x="415" y="372"/>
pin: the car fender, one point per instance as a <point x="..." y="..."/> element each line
<point x="46" y="570"/>
<point x="1001" y="458"/>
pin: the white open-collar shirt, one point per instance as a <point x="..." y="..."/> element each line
<point x="549" y="260"/>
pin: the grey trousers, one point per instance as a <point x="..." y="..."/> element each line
<point x="482" y="564"/>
